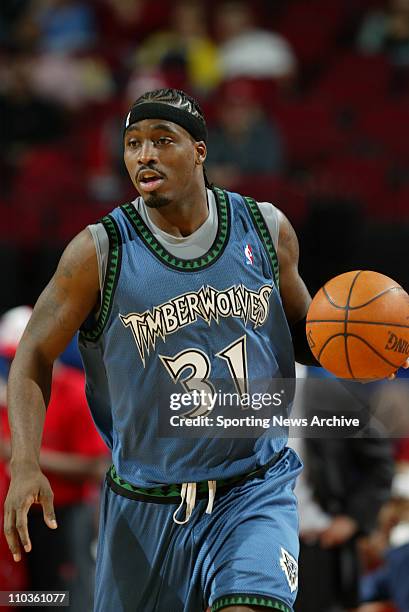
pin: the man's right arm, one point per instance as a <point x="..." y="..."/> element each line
<point x="65" y="303"/>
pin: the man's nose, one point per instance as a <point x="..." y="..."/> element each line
<point x="147" y="153"/>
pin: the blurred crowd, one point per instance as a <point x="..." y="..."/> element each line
<point x="74" y="458"/>
<point x="307" y="103"/>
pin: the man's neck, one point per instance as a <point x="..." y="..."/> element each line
<point x="184" y="217"/>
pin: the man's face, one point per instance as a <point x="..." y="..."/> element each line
<point x="162" y="160"/>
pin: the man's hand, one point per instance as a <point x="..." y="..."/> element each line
<point x="342" y="529"/>
<point x="28" y="486"/>
<point x="405" y="367"/>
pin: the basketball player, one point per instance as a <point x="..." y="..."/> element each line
<point x="185" y="285"/>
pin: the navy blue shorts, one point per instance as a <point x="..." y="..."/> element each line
<point x="244" y="552"/>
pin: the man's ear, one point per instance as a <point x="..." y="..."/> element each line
<point x="201" y="152"/>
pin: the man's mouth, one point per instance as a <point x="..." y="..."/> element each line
<point x="149" y="180"/>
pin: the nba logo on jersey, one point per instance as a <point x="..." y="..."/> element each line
<point x="248" y="251"/>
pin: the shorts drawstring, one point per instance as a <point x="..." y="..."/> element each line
<point x="212" y="492"/>
<point x="188" y="494"/>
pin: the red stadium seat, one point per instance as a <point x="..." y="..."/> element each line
<point x="283" y="193"/>
<point x="386" y="127"/>
<point x="365" y="180"/>
<point x="401" y="203"/>
<point x="355" y="81"/>
<point x="51" y="185"/>
<point x="309" y="129"/>
<point x="311" y="27"/>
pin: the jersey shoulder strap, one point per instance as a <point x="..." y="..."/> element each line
<point x="264" y="235"/>
<point x="92" y="329"/>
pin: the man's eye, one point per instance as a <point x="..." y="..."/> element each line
<point x="164" y="140"/>
<point x="133" y="143"/>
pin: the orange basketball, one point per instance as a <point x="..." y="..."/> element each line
<point x="358" y="325"/>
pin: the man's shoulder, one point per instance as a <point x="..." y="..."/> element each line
<point x="114" y="212"/>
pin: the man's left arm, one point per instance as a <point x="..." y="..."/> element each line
<point x="294" y="294"/>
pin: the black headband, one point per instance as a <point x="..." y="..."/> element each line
<point x="159" y="110"/>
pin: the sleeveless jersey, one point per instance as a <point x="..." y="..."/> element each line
<point x="165" y="322"/>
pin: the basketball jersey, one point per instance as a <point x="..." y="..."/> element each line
<point x="165" y="320"/>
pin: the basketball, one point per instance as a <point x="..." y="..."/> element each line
<point x="358" y="325"/>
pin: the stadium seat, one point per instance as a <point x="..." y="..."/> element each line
<point x="362" y="179"/>
<point x="355" y="81"/>
<point x="311" y="27"/>
<point x="283" y="193"/>
<point x="310" y="130"/>
<point x="386" y="127"/>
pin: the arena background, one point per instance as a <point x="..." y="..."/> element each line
<point x="307" y="103"/>
<point x="67" y="78"/>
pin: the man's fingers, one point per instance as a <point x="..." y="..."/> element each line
<point x="21" y="523"/>
<point x="46" y="500"/>
<point x="11" y="534"/>
<point x="405" y="366"/>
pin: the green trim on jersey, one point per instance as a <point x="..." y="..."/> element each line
<point x="249" y="600"/>
<point x="185" y="265"/>
<point x="110" y="282"/>
<point x="163" y="491"/>
<point x="265" y="236"/>
<point x="169" y="494"/>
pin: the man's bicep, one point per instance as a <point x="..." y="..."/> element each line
<point x="67" y="300"/>
<point x="294" y="294"/>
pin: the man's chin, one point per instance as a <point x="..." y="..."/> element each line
<point x="156" y="201"/>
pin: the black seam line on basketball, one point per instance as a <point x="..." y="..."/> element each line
<point x="264" y="236"/>
<point x="375" y="298"/>
<point x="373" y="350"/>
<point x="331" y="301"/>
<point x="360" y="322"/>
<point x="175" y="263"/>
<point x="110" y="282"/>
<point x="346" y="321"/>
<point x="347" y="354"/>
<point x="327" y="342"/>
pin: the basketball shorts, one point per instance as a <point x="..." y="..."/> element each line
<point x="244" y="553"/>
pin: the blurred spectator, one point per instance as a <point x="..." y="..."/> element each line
<point x="141" y="80"/>
<point x="387" y="32"/>
<point x="74" y="458"/>
<point x="72" y="81"/>
<point x="27" y="119"/>
<point x="64" y="26"/>
<point x="123" y="23"/>
<point x="247" y="50"/>
<point x="345" y="482"/>
<point x="389" y="582"/>
<point x="185" y="50"/>
<point x="244" y="142"/>
<point x="10" y="14"/>
<point x="339" y="108"/>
